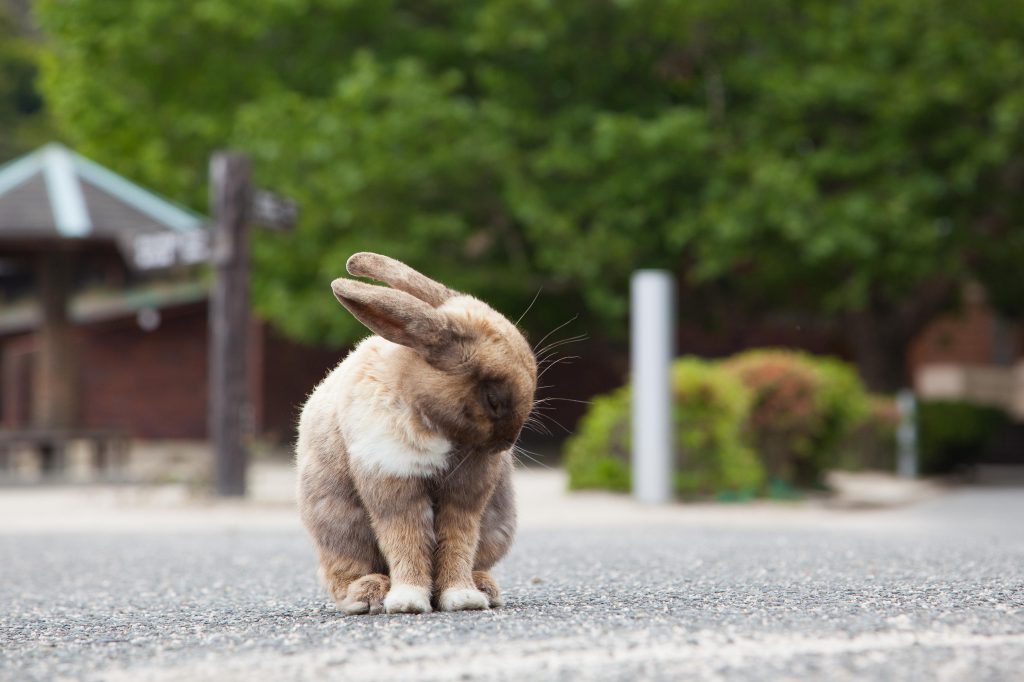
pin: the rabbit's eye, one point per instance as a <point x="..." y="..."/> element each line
<point x="497" y="399"/>
<point x="493" y="401"/>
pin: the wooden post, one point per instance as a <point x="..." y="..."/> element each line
<point x="55" y="390"/>
<point x="230" y="192"/>
<point x="54" y="400"/>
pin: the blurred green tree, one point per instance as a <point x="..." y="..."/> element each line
<point x="853" y="160"/>
<point x="23" y="119"/>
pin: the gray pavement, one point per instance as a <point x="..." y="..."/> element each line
<point x="597" y="589"/>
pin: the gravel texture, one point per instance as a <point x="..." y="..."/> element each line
<point x="935" y="591"/>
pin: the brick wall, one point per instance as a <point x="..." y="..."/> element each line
<point x="970" y="336"/>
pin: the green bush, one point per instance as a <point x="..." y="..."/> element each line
<point x="872" y="442"/>
<point x="709" y="414"/>
<point x="597" y="455"/>
<point x="709" y="411"/>
<point x="804" y="408"/>
<point x="953" y="434"/>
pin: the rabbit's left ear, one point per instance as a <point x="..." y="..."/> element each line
<point x="399" y="276"/>
<point x="396" y="316"/>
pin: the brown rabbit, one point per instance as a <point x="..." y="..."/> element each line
<point x="405" y="449"/>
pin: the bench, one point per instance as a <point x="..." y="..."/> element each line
<point x="109" y="447"/>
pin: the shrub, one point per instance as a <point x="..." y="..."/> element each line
<point x="597" y="455"/>
<point x="803" y="409"/>
<point x="709" y="413"/>
<point x="953" y="434"/>
<point x="872" y="442"/>
<point x="709" y="410"/>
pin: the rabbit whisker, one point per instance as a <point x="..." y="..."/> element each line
<point x="556" y="344"/>
<point x="568" y="400"/>
<point x="569" y="321"/>
<point x="566" y="360"/>
<point x="537" y="426"/>
<point x="554" y="421"/>
<point x="529" y="306"/>
<point x="461" y="462"/>
<point x="520" y="451"/>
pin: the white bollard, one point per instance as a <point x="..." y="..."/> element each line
<point x="906" y="435"/>
<point x="652" y="347"/>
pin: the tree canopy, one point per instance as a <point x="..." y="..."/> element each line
<point x="852" y="160"/>
<point x="23" y="120"/>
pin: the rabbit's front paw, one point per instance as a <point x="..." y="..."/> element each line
<point x="407" y="599"/>
<point x="462" y="599"/>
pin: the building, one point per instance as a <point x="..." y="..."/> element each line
<point x="142" y="365"/>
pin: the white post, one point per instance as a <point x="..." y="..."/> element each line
<point x="652" y="328"/>
<point x="906" y="436"/>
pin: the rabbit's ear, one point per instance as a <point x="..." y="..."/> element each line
<point x="399" y="276"/>
<point x="394" y="315"/>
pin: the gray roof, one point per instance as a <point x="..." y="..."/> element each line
<point x="54" y="193"/>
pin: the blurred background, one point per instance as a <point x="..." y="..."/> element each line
<point x="836" y="186"/>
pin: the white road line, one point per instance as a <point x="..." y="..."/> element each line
<point x="703" y="652"/>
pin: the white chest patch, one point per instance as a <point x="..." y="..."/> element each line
<point x="383" y="444"/>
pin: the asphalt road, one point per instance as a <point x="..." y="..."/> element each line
<point x="932" y="592"/>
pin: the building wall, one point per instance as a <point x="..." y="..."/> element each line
<point x="286" y="372"/>
<point x="973" y="336"/>
<point x="152" y="384"/>
<point x="17" y="355"/>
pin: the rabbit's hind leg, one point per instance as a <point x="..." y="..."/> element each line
<point x="351" y="564"/>
<point x="353" y="585"/>
<point x="486" y="584"/>
<point x="497" y="528"/>
<point x="498" y="525"/>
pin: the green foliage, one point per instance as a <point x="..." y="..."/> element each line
<point x="844" y="402"/>
<point x="23" y="120"/>
<point x="709" y="411"/>
<point x="804" y="408"/>
<point x="597" y="455"/>
<point x="441" y="158"/>
<point x="826" y="156"/>
<point x="709" y="408"/>
<point x="952" y="435"/>
<point x="871" y="444"/>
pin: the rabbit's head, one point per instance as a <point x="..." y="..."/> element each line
<point x="468" y="372"/>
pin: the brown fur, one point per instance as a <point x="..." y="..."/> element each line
<point x="399" y="276"/>
<point x="386" y="507"/>
<point x="486" y="584"/>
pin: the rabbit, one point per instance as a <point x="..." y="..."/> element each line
<point x="404" y="450"/>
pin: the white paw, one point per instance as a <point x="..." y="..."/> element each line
<point x="407" y="599"/>
<point x="462" y="599"/>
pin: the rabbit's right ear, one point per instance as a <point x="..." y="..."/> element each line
<point x="395" y="315"/>
<point x="399" y="276"/>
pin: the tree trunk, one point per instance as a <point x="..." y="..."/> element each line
<point x="880" y="352"/>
